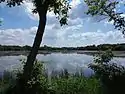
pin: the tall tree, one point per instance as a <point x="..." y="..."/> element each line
<point x="107" y="8"/>
<point x="59" y="7"/>
<point x="0" y="22"/>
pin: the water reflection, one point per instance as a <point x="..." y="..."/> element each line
<point x="56" y="61"/>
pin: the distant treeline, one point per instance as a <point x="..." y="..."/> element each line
<point x="114" y="47"/>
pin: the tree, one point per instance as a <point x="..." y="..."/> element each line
<point x="0" y="21"/>
<point x="59" y="7"/>
<point x="107" y="8"/>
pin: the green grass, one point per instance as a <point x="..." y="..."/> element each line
<point x="75" y="85"/>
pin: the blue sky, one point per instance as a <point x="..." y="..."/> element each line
<point x="15" y="17"/>
<point x="19" y="27"/>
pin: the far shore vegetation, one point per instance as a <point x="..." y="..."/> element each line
<point x="103" y="47"/>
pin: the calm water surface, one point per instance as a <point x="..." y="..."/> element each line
<point x="56" y="61"/>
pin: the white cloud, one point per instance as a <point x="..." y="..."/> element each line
<point x="60" y="37"/>
<point x="28" y="7"/>
<point x="1" y="19"/>
<point x="75" y="3"/>
<point x="17" y="36"/>
<point x="98" y="37"/>
<point x="123" y="15"/>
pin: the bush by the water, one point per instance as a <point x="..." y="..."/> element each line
<point x="111" y="75"/>
<point x="63" y="83"/>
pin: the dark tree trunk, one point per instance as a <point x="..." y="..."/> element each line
<point x="42" y="11"/>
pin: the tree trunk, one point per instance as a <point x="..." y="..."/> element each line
<point x="42" y="11"/>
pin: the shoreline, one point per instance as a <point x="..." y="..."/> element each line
<point x="15" y="53"/>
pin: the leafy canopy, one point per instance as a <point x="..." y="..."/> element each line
<point x="107" y="8"/>
<point x="59" y="7"/>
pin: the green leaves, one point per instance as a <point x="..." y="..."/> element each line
<point x="60" y="8"/>
<point x="95" y="6"/>
<point x="104" y="57"/>
<point x="12" y="3"/>
<point x="107" y="8"/>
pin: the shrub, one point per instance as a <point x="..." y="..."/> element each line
<point x="111" y="75"/>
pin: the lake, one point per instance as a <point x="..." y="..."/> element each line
<point x="56" y="61"/>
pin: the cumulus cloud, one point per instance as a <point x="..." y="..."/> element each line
<point x="60" y="37"/>
<point x="17" y="36"/>
<point x="28" y="7"/>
